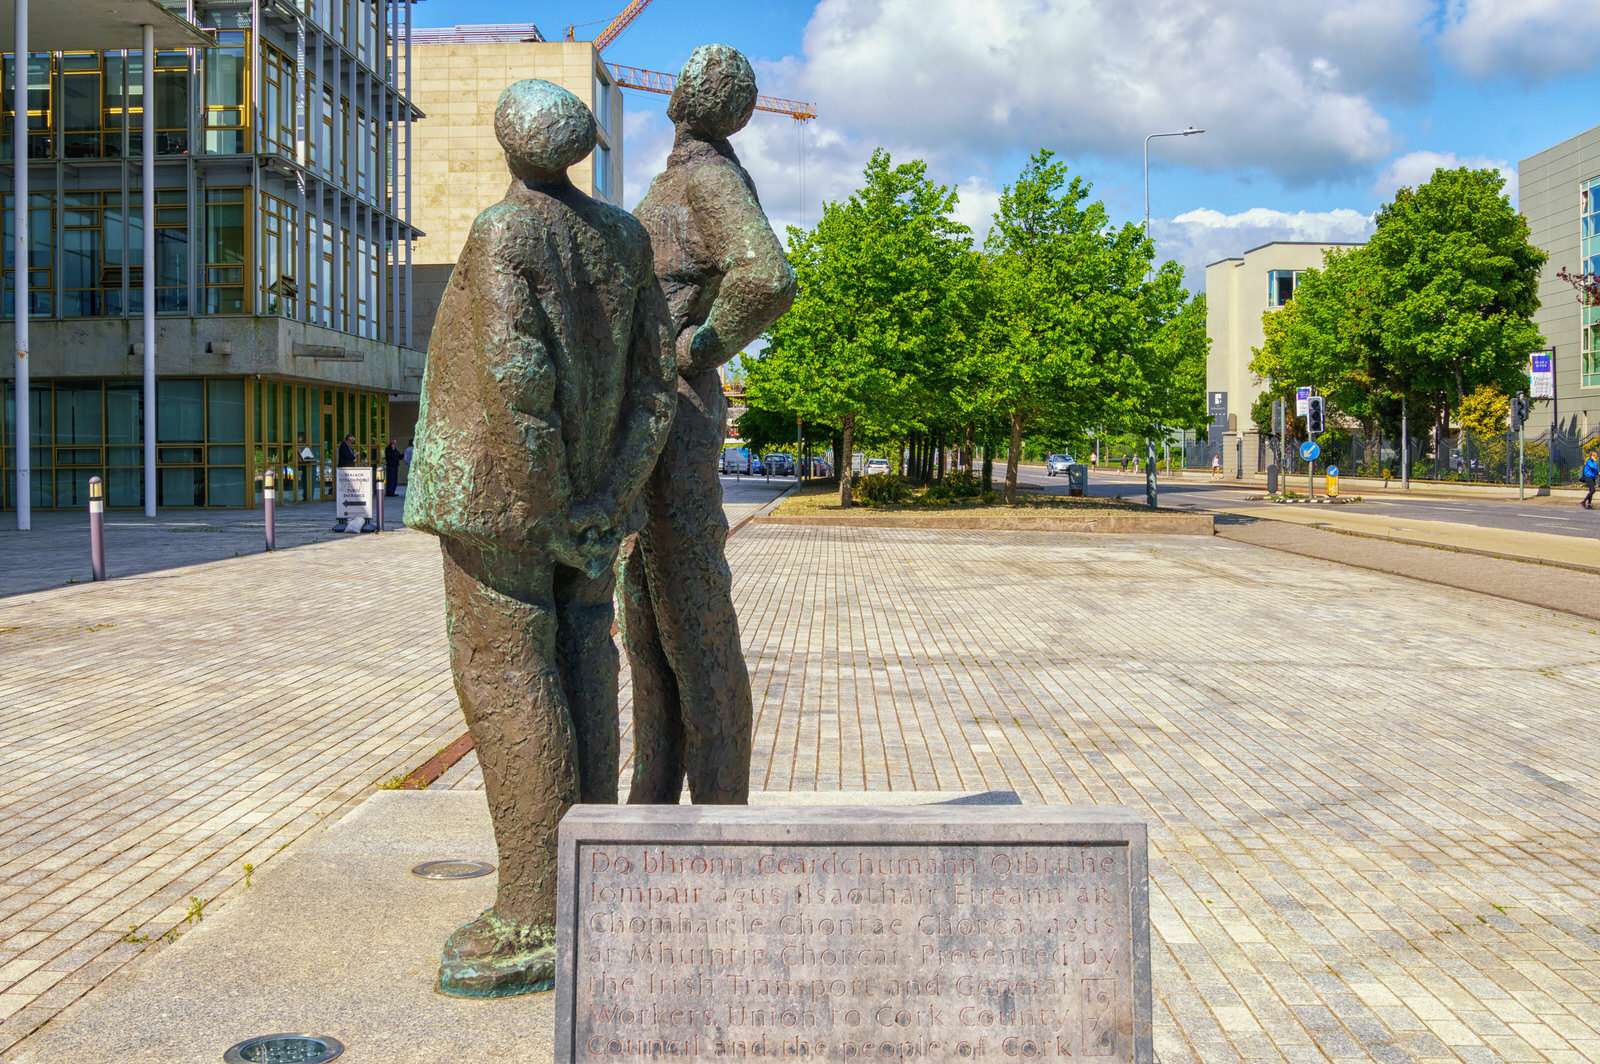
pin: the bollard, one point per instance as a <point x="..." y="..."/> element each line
<point x="269" y="495"/>
<point x="97" y="528"/>
<point x="378" y="492"/>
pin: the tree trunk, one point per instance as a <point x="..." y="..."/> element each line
<point x="846" y="471"/>
<point x="840" y="459"/>
<point x="966" y="454"/>
<point x="1013" y="459"/>
<point x="944" y="455"/>
<point x="988" y="469"/>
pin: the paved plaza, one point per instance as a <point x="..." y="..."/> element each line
<point x="1371" y="800"/>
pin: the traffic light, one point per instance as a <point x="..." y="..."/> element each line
<point x="1519" y="410"/>
<point x="1315" y="422"/>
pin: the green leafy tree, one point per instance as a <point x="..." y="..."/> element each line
<point x="884" y="278"/>
<point x="1172" y="364"/>
<point x="1455" y="287"/>
<point x="1065" y="308"/>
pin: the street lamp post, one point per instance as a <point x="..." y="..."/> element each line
<point x="1150" y="446"/>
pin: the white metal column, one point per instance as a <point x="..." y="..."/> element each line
<point x="148" y="171"/>
<point x="19" y="144"/>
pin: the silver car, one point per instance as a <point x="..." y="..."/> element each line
<point x="1057" y="463"/>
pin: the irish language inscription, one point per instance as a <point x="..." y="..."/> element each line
<point x="843" y="952"/>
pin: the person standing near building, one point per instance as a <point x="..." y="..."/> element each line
<point x="347" y="452"/>
<point x="391" y="469"/>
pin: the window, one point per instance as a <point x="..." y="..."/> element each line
<point x="277" y="100"/>
<point x="1589" y="262"/>
<point x="226" y="122"/>
<point x="225" y="252"/>
<point x="41" y="238"/>
<point x="280" y="253"/>
<point x="602" y="102"/>
<point x="40" y="108"/>
<point x="602" y="169"/>
<point x="1280" y="286"/>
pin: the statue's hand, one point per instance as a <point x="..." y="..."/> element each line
<point x="594" y="534"/>
<point x="699" y="348"/>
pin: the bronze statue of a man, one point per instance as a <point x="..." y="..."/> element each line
<point x="726" y="279"/>
<point x="548" y="394"/>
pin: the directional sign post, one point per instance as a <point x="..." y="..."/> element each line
<point x="1333" y="481"/>
<point x="1309" y="451"/>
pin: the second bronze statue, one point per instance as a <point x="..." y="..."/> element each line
<point x="726" y="280"/>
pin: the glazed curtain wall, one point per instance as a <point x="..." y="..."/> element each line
<point x="214" y="439"/>
<point x="99" y="269"/>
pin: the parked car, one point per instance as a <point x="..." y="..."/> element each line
<point x="1057" y="463"/>
<point x="876" y="466"/>
<point x="816" y="467"/>
<point x="735" y="460"/>
<point x="756" y="468"/>
<point x="779" y="465"/>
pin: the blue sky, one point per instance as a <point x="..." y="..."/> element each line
<point x="1314" y="113"/>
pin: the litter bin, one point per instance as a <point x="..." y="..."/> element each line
<point x="1272" y="479"/>
<point x="1077" y="478"/>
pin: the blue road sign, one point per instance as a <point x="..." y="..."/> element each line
<point x="1309" y="450"/>
<point x="1333" y="471"/>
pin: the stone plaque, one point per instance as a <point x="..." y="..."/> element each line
<point x="842" y="934"/>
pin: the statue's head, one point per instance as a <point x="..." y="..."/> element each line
<point x="543" y="128"/>
<point x="716" y="93"/>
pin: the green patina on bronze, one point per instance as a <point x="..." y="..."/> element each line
<point x="548" y="394"/>
<point x="726" y="279"/>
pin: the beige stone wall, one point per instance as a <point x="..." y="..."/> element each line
<point x="1236" y="299"/>
<point x="458" y="168"/>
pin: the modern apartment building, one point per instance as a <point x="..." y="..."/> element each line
<point x="281" y="246"/>
<point x="457" y="77"/>
<point x="1558" y="193"/>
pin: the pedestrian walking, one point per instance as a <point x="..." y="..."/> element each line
<point x="1591" y="472"/>
<point x="1216" y="467"/>
<point x="1124" y="463"/>
<point x="1094" y="460"/>
<point x="391" y="468"/>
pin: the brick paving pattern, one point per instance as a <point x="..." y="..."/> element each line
<point x="1372" y="801"/>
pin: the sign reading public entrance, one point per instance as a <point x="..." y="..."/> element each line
<point x="353" y="493"/>
<point x="838" y="935"/>
<point x="1309" y="450"/>
<point x="1541" y="375"/>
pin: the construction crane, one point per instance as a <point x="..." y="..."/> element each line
<point x="616" y="26"/>
<point x="655" y="81"/>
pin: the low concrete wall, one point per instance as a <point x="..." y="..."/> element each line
<point x="1159" y="523"/>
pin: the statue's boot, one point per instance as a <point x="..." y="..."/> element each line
<point x="493" y="957"/>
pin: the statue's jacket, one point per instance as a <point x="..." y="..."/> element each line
<point x="549" y="382"/>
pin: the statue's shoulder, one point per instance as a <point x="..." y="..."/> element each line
<point x="714" y="175"/>
<point x="627" y="233"/>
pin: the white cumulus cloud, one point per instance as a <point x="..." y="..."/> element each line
<point x="1288" y="89"/>
<point x="1202" y="236"/>
<point x="1524" y="40"/>
<point x="1416" y="168"/>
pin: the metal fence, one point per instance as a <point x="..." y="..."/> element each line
<point x="1461" y="455"/>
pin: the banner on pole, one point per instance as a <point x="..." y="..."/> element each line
<point x="1541" y="374"/>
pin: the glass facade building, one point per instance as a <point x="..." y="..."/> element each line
<point x="282" y="254"/>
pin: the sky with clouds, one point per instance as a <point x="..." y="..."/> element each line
<point x="1314" y="113"/>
